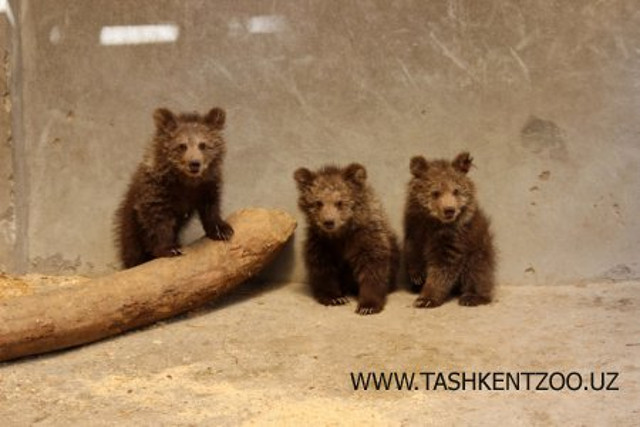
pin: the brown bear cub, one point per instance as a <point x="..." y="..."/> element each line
<point x="180" y="174"/>
<point x="350" y="248"/>
<point x="448" y="245"/>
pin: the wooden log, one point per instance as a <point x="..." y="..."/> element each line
<point x="142" y="295"/>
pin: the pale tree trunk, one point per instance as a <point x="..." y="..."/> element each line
<point x="153" y="291"/>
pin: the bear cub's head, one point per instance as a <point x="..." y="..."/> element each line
<point x="189" y="143"/>
<point x="443" y="189"/>
<point x="330" y="196"/>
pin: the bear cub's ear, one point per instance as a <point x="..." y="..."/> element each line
<point x="165" y="120"/>
<point x="356" y="173"/>
<point x="418" y="166"/>
<point x="215" y="118"/>
<point x="463" y="162"/>
<point x="304" y="177"/>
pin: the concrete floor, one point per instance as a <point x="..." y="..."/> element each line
<point x="271" y="355"/>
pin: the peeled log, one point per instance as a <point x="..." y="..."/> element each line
<point x="142" y="295"/>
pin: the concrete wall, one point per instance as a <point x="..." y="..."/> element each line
<point x="7" y="178"/>
<point x="544" y="94"/>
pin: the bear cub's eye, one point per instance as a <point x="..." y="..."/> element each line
<point x="435" y="194"/>
<point x="318" y="204"/>
<point x="182" y="147"/>
<point x="202" y="146"/>
<point x="456" y="192"/>
<point x="339" y="204"/>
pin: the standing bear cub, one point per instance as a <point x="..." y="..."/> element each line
<point x="350" y="247"/>
<point x="181" y="173"/>
<point x="448" y="244"/>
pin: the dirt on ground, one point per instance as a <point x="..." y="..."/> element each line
<point x="268" y="354"/>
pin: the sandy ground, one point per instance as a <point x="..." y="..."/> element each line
<point x="270" y="355"/>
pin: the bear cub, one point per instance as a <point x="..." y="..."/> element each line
<point x="448" y="243"/>
<point x="350" y="248"/>
<point x="180" y="174"/>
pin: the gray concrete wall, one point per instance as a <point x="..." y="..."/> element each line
<point x="7" y="200"/>
<point x="544" y="94"/>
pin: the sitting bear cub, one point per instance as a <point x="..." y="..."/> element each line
<point x="448" y="244"/>
<point x="350" y="247"/>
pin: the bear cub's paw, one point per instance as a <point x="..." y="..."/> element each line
<point x="167" y="252"/>
<point x="472" y="300"/>
<point x="333" y="301"/>
<point x="426" y="302"/>
<point x="222" y="230"/>
<point x="365" y="311"/>
<point x="366" y="308"/>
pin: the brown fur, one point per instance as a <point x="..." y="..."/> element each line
<point x="350" y="247"/>
<point x="448" y="244"/>
<point x="181" y="174"/>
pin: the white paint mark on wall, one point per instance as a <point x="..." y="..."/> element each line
<point x="266" y="24"/>
<point x="235" y="27"/>
<point x="521" y="63"/>
<point x="55" y="35"/>
<point x="8" y="232"/>
<point x="449" y="54"/>
<point x="8" y="227"/>
<point x="5" y="8"/>
<point x="139" y="34"/>
<point x="406" y="73"/>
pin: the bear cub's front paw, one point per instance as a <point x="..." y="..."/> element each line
<point x="221" y="231"/>
<point x="341" y="300"/>
<point x="366" y="308"/>
<point x="426" y="302"/>
<point x="167" y="252"/>
<point x="472" y="300"/>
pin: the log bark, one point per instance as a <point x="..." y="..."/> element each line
<point x="145" y="294"/>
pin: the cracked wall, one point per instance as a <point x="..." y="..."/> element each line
<point x="544" y="95"/>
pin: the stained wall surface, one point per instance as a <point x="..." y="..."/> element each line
<point x="544" y="94"/>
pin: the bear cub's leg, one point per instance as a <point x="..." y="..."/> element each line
<point x="476" y="284"/>
<point x="372" y="276"/>
<point x="162" y="237"/>
<point x="439" y="283"/>
<point x="415" y="264"/>
<point x="326" y="284"/>
<point x="214" y="226"/>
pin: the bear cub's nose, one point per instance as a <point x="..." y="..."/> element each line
<point x="449" y="212"/>
<point x="194" y="166"/>
<point x="329" y="224"/>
